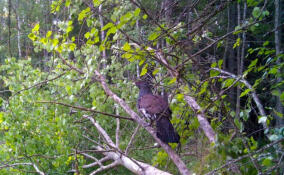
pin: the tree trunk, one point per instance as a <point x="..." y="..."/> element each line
<point x="17" y="13"/>
<point x="9" y="28"/>
<point x="279" y="106"/>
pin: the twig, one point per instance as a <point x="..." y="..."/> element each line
<point x="252" y="91"/>
<point x="38" y="84"/>
<point x="18" y="164"/>
<point x="132" y="139"/>
<point x="86" y="109"/>
<point x="245" y="156"/>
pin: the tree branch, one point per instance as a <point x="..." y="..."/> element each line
<point x="253" y="93"/>
<point x="18" y="164"/>
<point x="86" y="109"/>
<point x="204" y="124"/>
<point x="175" y="158"/>
<point x="245" y="156"/>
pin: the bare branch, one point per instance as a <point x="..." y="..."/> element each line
<point x="118" y="157"/>
<point x="86" y="109"/>
<point x="39" y="84"/>
<point x="117" y="133"/>
<point x="204" y="124"/>
<point x="101" y="131"/>
<point x="98" y="162"/>
<point x="132" y="139"/>
<point x="18" y="164"/>
<point x="114" y="164"/>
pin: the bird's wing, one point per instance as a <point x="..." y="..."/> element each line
<point x="153" y="104"/>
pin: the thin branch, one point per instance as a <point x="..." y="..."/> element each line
<point x="117" y="133"/>
<point x="86" y="109"/>
<point x="247" y="155"/>
<point x="252" y="91"/>
<point x="101" y="131"/>
<point x="114" y="164"/>
<point x="71" y="66"/>
<point x="18" y="164"/>
<point x="98" y="162"/>
<point x="38" y="84"/>
<point x="132" y="139"/>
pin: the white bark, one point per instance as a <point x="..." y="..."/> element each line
<point x="118" y="157"/>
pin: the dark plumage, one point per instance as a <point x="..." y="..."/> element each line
<point x="156" y="108"/>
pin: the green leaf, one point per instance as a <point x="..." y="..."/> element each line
<point x="1" y="117"/>
<point x="97" y="3"/>
<point x="48" y="34"/>
<point x="108" y="25"/>
<point x="32" y="36"/>
<point x="265" y="43"/>
<point x="67" y="3"/>
<point x="153" y="36"/>
<point x="36" y="28"/>
<point x="126" y="47"/>
<point x="156" y="71"/>
<point x="227" y="83"/>
<point x="72" y="46"/>
<point x="180" y="97"/>
<point x="111" y="30"/>
<point x="256" y="12"/>
<point x="237" y="43"/>
<point x="237" y="123"/>
<point x="83" y="14"/>
<point x="245" y="92"/>
<point x="145" y="16"/>
<point x="273" y="71"/>
<point x="173" y="80"/>
<point x="137" y="12"/>
<point x="126" y="17"/>
<point x="213" y="65"/>
<point x="253" y="63"/>
<point x="144" y="70"/>
<point x="267" y="161"/>
<point x="87" y="35"/>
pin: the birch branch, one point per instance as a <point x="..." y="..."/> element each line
<point x="18" y="164"/>
<point x="118" y="157"/>
<point x="175" y="158"/>
<point x="204" y="124"/>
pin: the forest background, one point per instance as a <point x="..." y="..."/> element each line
<point x="68" y="99"/>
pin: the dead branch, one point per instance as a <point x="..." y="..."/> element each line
<point x="118" y="157"/>
<point x="18" y="164"/>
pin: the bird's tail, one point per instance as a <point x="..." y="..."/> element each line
<point x="166" y="131"/>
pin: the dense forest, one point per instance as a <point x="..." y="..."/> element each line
<point x="141" y="87"/>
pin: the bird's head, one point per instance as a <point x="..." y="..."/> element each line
<point x="142" y="84"/>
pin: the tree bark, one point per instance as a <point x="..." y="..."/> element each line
<point x="118" y="157"/>
<point x="9" y="28"/>
<point x="17" y="13"/>
<point x="279" y="106"/>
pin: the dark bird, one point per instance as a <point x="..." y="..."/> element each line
<point x="156" y="108"/>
